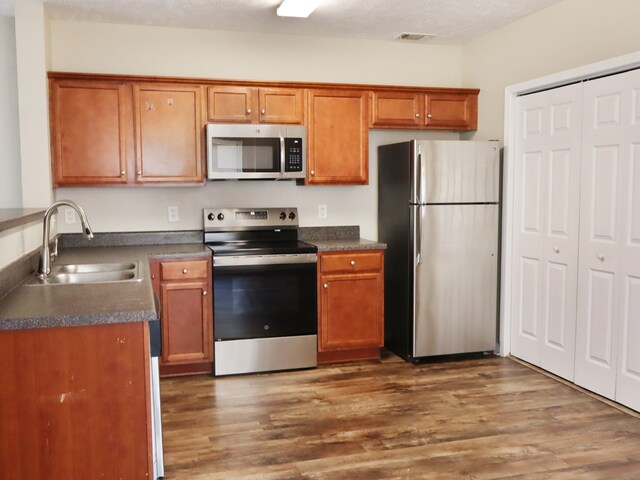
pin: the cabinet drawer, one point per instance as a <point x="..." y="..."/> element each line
<point x="351" y="262"/>
<point x="184" y="270"/>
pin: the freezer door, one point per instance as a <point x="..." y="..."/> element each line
<point x="455" y="280"/>
<point x="458" y="171"/>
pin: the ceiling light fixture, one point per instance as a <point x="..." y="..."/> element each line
<point x="297" y="8"/>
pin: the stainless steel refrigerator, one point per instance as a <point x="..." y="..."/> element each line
<point x="438" y="213"/>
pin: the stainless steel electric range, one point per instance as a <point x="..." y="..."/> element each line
<point x="264" y="290"/>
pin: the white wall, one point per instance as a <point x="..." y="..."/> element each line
<point x="126" y="49"/>
<point x="566" y="35"/>
<point x="10" y="180"/>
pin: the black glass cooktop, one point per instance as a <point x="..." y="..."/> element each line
<point x="260" y="248"/>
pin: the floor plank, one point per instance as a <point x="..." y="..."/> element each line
<point x="489" y="418"/>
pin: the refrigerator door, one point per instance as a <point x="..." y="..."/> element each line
<point x="457" y="172"/>
<point x="455" y="281"/>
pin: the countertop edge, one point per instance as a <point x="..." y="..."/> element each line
<point x="14" y="217"/>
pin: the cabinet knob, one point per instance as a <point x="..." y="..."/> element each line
<point x="204" y="293"/>
<point x="353" y="262"/>
<point x="139" y="173"/>
<point x="248" y="110"/>
<point x="123" y="173"/>
<point x="263" y="111"/>
<point x="601" y="257"/>
<point x="429" y="115"/>
<point x="326" y="285"/>
<point x="313" y="172"/>
<point x="184" y="270"/>
<point x="153" y="277"/>
<point x="556" y="249"/>
<point x="417" y="115"/>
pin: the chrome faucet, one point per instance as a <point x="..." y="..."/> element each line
<point x="44" y="267"/>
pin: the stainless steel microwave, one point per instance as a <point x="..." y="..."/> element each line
<point x="255" y="152"/>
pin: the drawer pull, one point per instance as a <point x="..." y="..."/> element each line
<point x="556" y="249"/>
<point x="417" y="115"/>
<point x="429" y="115"/>
<point x="601" y="257"/>
<point x="204" y="293"/>
<point x="184" y="270"/>
<point x="353" y="262"/>
<point x="326" y="285"/>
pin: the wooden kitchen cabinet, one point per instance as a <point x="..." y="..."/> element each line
<point x="168" y="132"/>
<point x="338" y="137"/>
<point x="351" y="305"/>
<point x="184" y="289"/>
<point x="75" y="402"/>
<point x="430" y="110"/>
<point x="237" y="104"/>
<point x="91" y="126"/>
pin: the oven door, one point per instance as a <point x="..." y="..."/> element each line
<point x="264" y="296"/>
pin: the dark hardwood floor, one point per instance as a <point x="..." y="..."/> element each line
<point x="490" y="418"/>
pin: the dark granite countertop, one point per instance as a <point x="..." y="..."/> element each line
<point x="346" y="244"/>
<point x="90" y="304"/>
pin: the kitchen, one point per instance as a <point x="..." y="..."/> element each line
<point x="77" y="46"/>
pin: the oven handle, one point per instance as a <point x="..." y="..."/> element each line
<point x="248" y="260"/>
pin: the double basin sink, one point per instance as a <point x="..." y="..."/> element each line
<point x="83" y="273"/>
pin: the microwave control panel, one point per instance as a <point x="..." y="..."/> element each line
<point x="293" y="155"/>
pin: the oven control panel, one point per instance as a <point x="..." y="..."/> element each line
<point x="229" y="219"/>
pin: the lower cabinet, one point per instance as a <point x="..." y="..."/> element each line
<point x="351" y="306"/>
<point x="184" y="290"/>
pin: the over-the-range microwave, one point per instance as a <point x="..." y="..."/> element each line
<point x="255" y="152"/>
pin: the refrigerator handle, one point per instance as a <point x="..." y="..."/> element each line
<point x="419" y="235"/>
<point x="417" y="180"/>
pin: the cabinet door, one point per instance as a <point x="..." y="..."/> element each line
<point x="186" y="322"/>
<point x="281" y="105"/>
<point x="545" y="248"/>
<point x="351" y="312"/>
<point x="168" y="130"/>
<point x="338" y="139"/>
<point x="89" y="125"/>
<point x="232" y="104"/>
<point x="397" y="109"/>
<point x="451" y="111"/>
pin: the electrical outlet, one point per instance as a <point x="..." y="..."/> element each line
<point x="322" y="210"/>
<point x="173" y="214"/>
<point x="69" y="216"/>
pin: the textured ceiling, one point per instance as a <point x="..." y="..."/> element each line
<point x="452" y="21"/>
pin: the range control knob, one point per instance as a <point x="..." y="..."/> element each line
<point x="292" y="216"/>
<point x="211" y="217"/>
<point x="220" y="216"/>
<point x="282" y="215"/>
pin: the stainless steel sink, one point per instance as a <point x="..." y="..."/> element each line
<point x="83" y="273"/>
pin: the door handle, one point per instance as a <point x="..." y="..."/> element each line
<point x="419" y="235"/>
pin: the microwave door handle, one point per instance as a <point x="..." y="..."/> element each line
<point x="282" y="156"/>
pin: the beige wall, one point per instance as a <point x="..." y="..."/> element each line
<point x="569" y="34"/>
<point x="126" y="49"/>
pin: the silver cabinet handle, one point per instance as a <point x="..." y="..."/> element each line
<point x="184" y="270"/>
<point x="139" y="173"/>
<point x="601" y="257"/>
<point x="263" y="111"/>
<point x="417" y="115"/>
<point x="353" y="262"/>
<point x="248" y="110"/>
<point x="313" y="172"/>
<point x="123" y="172"/>
<point x="429" y="115"/>
<point x="326" y="285"/>
<point x="556" y="249"/>
<point x="204" y="293"/>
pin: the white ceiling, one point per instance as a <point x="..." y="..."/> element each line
<point x="453" y="21"/>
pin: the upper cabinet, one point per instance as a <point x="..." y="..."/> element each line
<point x="236" y="104"/>
<point x="432" y="110"/>
<point x="338" y="137"/>
<point x="90" y="132"/>
<point x="119" y="133"/>
<point x="168" y="131"/>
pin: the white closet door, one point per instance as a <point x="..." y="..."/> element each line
<point x="547" y="172"/>
<point x="608" y="332"/>
<point x="628" y="378"/>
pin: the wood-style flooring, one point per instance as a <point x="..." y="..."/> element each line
<point x="489" y="418"/>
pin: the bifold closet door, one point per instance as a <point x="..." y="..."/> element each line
<point x="545" y="235"/>
<point x="608" y="332"/>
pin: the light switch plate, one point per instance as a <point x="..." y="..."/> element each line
<point x="322" y="210"/>
<point x="173" y="214"/>
<point x="69" y="216"/>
